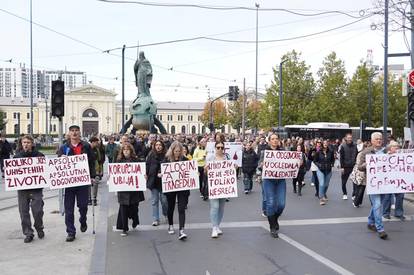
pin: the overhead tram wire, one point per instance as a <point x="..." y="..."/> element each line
<point x="228" y="8"/>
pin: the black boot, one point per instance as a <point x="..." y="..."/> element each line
<point x="274" y="226"/>
<point x="300" y="189"/>
<point x="294" y="187"/>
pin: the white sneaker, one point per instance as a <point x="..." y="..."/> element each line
<point x="155" y="223"/>
<point x="214" y="233"/>
<point x="171" y="230"/>
<point x="344" y="197"/>
<point x="393" y="206"/>
<point x="182" y="235"/>
<point x="124" y="234"/>
<point x="353" y="197"/>
<point x="219" y="231"/>
<point x="263" y="215"/>
<point x="312" y="184"/>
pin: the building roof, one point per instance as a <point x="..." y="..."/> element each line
<point x="17" y="101"/>
<point x="90" y="88"/>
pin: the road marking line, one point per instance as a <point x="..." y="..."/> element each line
<point x="264" y="223"/>
<point x="330" y="264"/>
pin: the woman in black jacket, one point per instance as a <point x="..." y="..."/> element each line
<point x="324" y="160"/>
<point x="128" y="200"/>
<point x="249" y="165"/>
<point x="153" y="172"/>
<point x="175" y="153"/>
<point x="302" y="171"/>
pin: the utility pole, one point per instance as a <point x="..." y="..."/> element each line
<point x="257" y="46"/>
<point x="31" y="72"/>
<point x="123" y="86"/>
<point x="244" y="110"/>
<point x="385" y="97"/>
<point x="412" y="62"/>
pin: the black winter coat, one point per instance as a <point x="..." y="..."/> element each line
<point x="348" y="154"/>
<point x="250" y="161"/>
<point x="324" y="161"/>
<point x="130" y="197"/>
<point x="153" y="167"/>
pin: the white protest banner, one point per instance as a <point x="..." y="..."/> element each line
<point x="68" y="171"/>
<point x="234" y="152"/>
<point x="179" y="176"/>
<point x="25" y="173"/>
<point x="390" y="173"/>
<point x="128" y="176"/>
<point x="210" y="148"/>
<point x="221" y="179"/>
<point x="281" y="164"/>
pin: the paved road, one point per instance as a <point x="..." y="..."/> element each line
<point x="314" y="239"/>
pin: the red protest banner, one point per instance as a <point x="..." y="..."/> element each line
<point x="68" y="171"/>
<point x="222" y="180"/>
<point x="180" y="175"/>
<point x="25" y="173"/>
<point x="281" y="164"/>
<point x="127" y="177"/>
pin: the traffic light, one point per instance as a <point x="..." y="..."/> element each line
<point x="233" y="93"/>
<point x="411" y="105"/>
<point x="58" y="98"/>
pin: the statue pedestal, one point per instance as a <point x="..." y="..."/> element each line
<point x="143" y="110"/>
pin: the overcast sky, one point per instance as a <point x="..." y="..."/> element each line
<point x="196" y="65"/>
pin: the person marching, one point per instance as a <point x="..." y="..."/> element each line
<point x="31" y="198"/>
<point x="128" y="200"/>
<point x="174" y="154"/>
<point x="324" y="160"/>
<point x="153" y="170"/>
<point x="274" y="190"/>
<point x="200" y="156"/>
<point x="75" y="146"/>
<point x="99" y="157"/>
<point x="302" y="171"/>
<point x="216" y="205"/>
<point x="249" y="165"/>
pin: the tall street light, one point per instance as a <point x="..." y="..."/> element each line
<point x="281" y="93"/>
<point x="372" y="74"/>
<point x="31" y="72"/>
<point x="257" y="45"/>
<point x="385" y="103"/>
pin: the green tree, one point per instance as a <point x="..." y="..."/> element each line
<point x="331" y="95"/>
<point x="219" y="114"/>
<point x="298" y="87"/>
<point x="253" y="113"/>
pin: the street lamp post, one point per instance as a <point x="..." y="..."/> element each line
<point x="281" y="92"/>
<point x="385" y="101"/>
<point x="371" y="75"/>
<point x="257" y="46"/>
<point x="31" y="72"/>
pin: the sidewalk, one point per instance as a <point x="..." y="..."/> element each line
<point x="52" y="255"/>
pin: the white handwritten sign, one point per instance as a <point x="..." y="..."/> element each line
<point x="179" y="176"/>
<point x="24" y="173"/>
<point x="221" y="179"/>
<point x="128" y="176"/>
<point x="281" y="164"/>
<point x="68" y="171"/>
<point x="390" y="173"/>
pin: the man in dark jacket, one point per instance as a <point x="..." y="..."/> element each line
<point x="5" y="151"/>
<point x="249" y="165"/>
<point x="347" y="156"/>
<point x="74" y="146"/>
<point x="31" y="198"/>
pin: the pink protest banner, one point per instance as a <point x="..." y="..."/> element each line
<point x="25" y="173"/>
<point x="390" y="173"/>
<point x="281" y="164"/>
<point x="179" y="176"/>
<point x="68" y="171"/>
<point x="221" y="179"/>
<point x="127" y="177"/>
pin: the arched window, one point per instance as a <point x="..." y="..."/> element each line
<point x="193" y="129"/>
<point x="90" y="113"/>
<point x="183" y="129"/>
<point x="173" y="130"/>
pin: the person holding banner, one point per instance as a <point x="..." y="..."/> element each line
<point x="274" y="191"/>
<point x="153" y="170"/>
<point x="375" y="216"/>
<point x="75" y="146"/>
<point x="393" y="147"/>
<point x="174" y="154"/>
<point x="216" y="205"/>
<point x="31" y="198"/>
<point x="128" y="200"/>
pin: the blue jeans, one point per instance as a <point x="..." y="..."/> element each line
<point x="323" y="180"/>
<point x="375" y="215"/>
<point x="81" y="195"/>
<point x="216" y="211"/>
<point x="275" y="196"/>
<point x="263" y="200"/>
<point x="387" y="201"/>
<point x="156" y="197"/>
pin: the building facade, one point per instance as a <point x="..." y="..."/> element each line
<point x="95" y="110"/>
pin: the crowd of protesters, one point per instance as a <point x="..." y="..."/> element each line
<point x="319" y="158"/>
